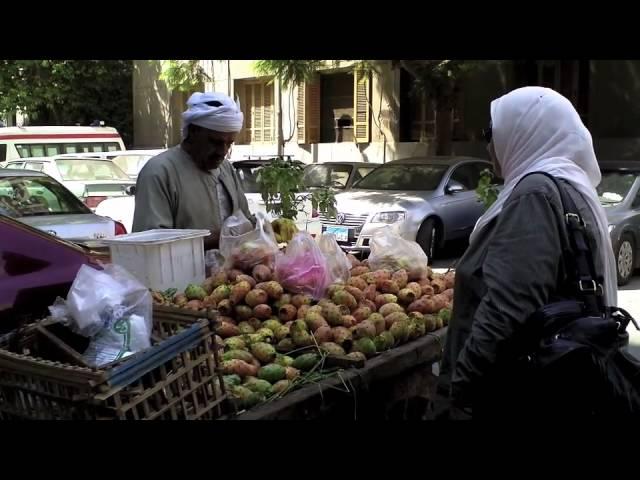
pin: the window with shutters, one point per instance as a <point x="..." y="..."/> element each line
<point x="257" y="103"/>
<point x="337" y="107"/>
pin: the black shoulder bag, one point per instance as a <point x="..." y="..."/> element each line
<point x="578" y="363"/>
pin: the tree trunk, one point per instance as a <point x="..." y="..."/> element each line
<point x="444" y="128"/>
<point x="279" y="121"/>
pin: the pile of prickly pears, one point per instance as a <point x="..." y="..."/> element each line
<point x="263" y="329"/>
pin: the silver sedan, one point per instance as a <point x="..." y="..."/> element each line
<point x="619" y="193"/>
<point x="430" y="200"/>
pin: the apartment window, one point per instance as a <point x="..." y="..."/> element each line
<point x="336" y="107"/>
<point x="257" y="103"/>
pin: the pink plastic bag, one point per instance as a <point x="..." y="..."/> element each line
<point x="243" y="246"/>
<point x="338" y="265"/>
<point x="303" y="267"/>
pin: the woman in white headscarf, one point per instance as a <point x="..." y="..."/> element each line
<point x="514" y="264"/>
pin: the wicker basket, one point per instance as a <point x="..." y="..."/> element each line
<point x="43" y="377"/>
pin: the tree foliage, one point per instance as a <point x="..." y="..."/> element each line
<point x="69" y="92"/>
<point x="291" y="73"/>
<point x="183" y="75"/>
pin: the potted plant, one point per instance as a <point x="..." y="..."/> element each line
<point x="282" y="190"/>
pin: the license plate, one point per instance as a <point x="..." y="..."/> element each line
<point x="341" y="233"/>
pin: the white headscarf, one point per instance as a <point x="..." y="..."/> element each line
<point x="225" y="118"/>
<point x="536" y="129"/>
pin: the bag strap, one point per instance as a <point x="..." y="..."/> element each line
<point x="579" y="263"/>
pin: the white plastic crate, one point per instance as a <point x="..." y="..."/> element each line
<point x="161" y="258"/>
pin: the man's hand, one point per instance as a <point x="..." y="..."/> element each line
<point x="212" y="241"/>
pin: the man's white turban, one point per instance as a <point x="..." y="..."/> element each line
<point x="224" y="118"/>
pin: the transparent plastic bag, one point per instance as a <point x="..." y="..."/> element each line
<point x="338" y="265"/>
<point x="302" y="268"/>
<point x="213" y="261"/>
<point x="110" y="306"/>
<point x="243" y="246"/>
<point x="390" y="251"/>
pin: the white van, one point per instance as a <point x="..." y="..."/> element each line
<point x="22" y="142"/>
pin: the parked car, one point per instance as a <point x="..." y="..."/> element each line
<point x="122" y="209"/>
<point x="40" y="201"/>
<point x="247" y="171"/>
<point x="129" y="161"/>
<point x="35" y="269"/>
<point x="92" y="180"/>
<point x="337" y="175"/>
<point x="619" y="193"/>
<point x="430" y="200"/>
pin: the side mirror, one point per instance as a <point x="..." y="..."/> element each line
<point x="453" y="188"/>
<point x="130" y="190"/>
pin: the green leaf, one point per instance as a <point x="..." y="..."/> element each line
<point x="487" y="191"/>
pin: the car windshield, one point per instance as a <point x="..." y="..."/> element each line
<point x="614" y="187"/>
<point x="407" y="177"/>
<point x="248" y="174"/>
<point x="33" y="196"/>
<point x="335" y="176"/>
<point x="82" y="169"/>
<point x="131" y="164"/>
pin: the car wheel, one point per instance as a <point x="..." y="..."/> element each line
<point x="625" y="259"/>
<point x="427" y="238"/>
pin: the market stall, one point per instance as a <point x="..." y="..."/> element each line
<point x="385" y="388"/>
<point x="297" y="323"/>
<point x="295" y="331"/>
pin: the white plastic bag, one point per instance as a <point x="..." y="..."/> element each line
<point x="390" y="251"/>
<point x="339" y="266"/>
<point x="110" y="306"/>
<point x="243" y="246"/>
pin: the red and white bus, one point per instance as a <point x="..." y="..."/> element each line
<point x="23" y="142"/>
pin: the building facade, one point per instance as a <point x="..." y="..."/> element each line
<point x="350" y="115"/>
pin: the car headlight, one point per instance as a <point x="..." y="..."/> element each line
<point x="611" y="227"/>
<point x="388" y="217"/>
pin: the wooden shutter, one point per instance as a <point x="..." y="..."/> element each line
<point x="308" y="112"/>
<point x="241" y="91"/>
<point x="361" y="110"/>
<point x="257" y="108"/>
<point x="268" y="110"/>
<point x="301" y="113"/>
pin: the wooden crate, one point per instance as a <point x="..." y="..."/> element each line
<point x="176" y="378"/>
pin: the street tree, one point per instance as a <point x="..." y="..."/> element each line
<point x="69" y="92"/>
<point x="440" y="82"/>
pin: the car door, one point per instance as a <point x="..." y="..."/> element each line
<point x="461" y="208"/>
<point x="634" y="218"/>
<point x="35" y="269"/>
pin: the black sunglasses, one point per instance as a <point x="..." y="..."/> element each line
<point x="487" y="133"/>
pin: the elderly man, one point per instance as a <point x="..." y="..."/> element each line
<point x="192" y="185"/>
